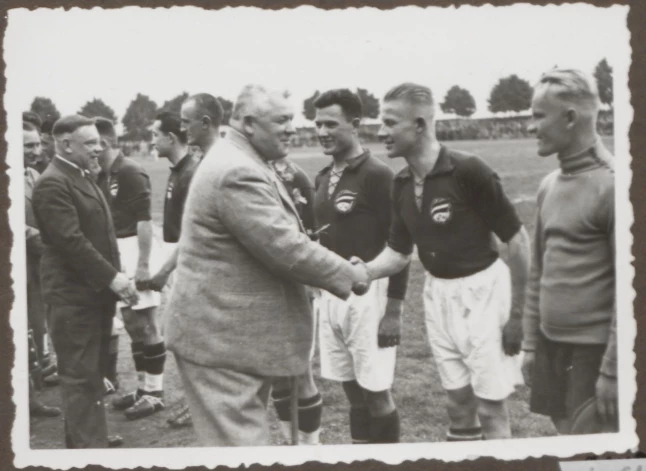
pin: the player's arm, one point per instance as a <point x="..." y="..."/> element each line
<point x="137" y="185"/>
<point x="518" y="262"/>
<point x="389" y="334"/>
<point x="159" y="280"/>
<point x="397" y="254"/>
<point x="606" y="387"/>
<point x="488" y="199"/>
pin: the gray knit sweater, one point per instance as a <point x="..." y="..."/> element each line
<point x="571" y="290"/>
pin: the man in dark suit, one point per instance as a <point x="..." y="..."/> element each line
<point x="80" y="277"/>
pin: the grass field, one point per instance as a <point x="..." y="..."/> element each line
<point x="417" y="392"/>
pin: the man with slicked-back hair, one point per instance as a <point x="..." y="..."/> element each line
<point x="450" y="204"/>
<point x="81" y="279"/>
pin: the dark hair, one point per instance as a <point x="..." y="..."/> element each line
<point x="349" y="102"/>
<point x="47" y="126"/>
<point x="107" y="131"/>
<point x="208" y="105"/>
<point x="69" y="124"/>
<point x="33" y="118"/>
<point x="29" y="126"/>
<point x="171" y="123"/>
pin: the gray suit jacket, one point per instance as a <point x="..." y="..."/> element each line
<point x="239" y="300"/>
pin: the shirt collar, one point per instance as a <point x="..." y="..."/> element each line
<point x="182" y="163"/>
<point x="84" y="173"/>
<point x="116" y="165"/>
<point x="443" y="164"/>
<point x="353" y="164"/>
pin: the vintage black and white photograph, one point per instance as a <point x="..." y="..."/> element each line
<point x="256" y="236"/>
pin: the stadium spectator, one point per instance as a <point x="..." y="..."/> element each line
<point x="239" y="314"/>
<point x="570" y="314"/>
<point x="200" y="117"/>
<point x="126" y="187"/>
<point x="358" y="337"/>
<point x="80" y="277"/>
<point x="450" y="204"/>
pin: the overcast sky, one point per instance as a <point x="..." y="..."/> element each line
<point x="74" y="56"/>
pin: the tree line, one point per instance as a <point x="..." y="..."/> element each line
<point x="509" y="94"/>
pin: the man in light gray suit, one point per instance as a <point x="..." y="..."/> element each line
<point x="239" y="312"/>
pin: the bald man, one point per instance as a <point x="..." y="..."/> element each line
<point x="570" y="314"/>
<point x="450" y="204"/>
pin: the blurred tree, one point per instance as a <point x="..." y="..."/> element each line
<point x="603" y="75"/>
<point x="45" y="108"/>
<point x="139" y="116"/>
<point x="370" y="103"/>
<point x="175" y="104"/>
<point x="459" y="101"/>
<point x="97" y="107"/>
<point x="309" y="111"/>
<point x="510" y="94"/>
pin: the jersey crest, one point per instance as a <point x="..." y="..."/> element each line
<point x="441" y="210"/>
<point x="345" y="201"/>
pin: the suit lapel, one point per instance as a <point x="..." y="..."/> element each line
<point x="284" y="196"/>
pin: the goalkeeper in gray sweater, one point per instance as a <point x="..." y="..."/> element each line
<point x="570" y="312"/>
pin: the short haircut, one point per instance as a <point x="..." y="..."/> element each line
<point x="29" y="126"/>
<point x="47" y="126"/>
<point x="33" y="118"/>
<point x="69" y="124"/>
<point x="107" y="131"/>
<point x="413" y="93"/>
<point x="573" y="86"/>
<point x="349" y="102"/>
<point x="208" y="105"/>
<point x="171" y="123"/>
<point x="254" y="100"/>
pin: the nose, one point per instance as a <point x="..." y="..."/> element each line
<point x="381" y="134"/>
<point x="322" y="131"/>
<point x="289" y="128"/>
<point x="531" y="128"/>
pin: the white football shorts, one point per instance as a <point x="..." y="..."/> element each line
<point x="464" y="322"/>
<point x="348" y="338"/>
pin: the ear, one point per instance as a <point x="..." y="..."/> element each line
<point x="66" y="146"/>
<point x="356" y="123"/>
<point x="571" y="116"/>
<point x="247" y="125"/>
<point x="104" y="144"/>
<point x="421" y="124"/>
<point x="206" y="122"/>
<point x="172" y="138"/>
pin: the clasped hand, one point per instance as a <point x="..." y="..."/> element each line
<point x="361" y="278"/>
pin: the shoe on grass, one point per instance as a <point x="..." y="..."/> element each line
<point x="149" y="403"/>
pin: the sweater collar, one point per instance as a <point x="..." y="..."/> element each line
<point x="593" y="157"/>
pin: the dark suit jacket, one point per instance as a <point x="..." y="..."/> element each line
<point x="35" y="306"/>
<point x="81" y="256"/>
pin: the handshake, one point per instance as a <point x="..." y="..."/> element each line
<point x="361" y="276"/>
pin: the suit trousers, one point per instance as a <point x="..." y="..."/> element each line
<point x="81" y="335"/>
<point x="229" y="408"/>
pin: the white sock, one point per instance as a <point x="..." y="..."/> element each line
<point x="153" y="382"/>
<point x="311" y="438"/>
<point x="45" y="345"/>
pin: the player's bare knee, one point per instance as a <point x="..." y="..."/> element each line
<point x="491" y="410"/>
<point x="380" y="403"/>
<point x="355" y="393"/>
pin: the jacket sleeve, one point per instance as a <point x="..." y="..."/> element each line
<point x="248" y="207"/>
<point x="32" y="234"/>
<point x="58" y="220"/>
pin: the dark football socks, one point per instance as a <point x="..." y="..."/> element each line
<point x="385" y="429"/>
<point x="464" y="434"/>
<point x="360" y="425"/>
